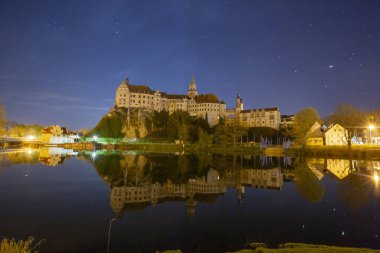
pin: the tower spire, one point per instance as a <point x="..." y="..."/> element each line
<point x="192" y="92"/>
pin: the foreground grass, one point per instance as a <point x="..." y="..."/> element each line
<point x="295" y="248"/>
<point x="21" y="246"/>
<point x="307" y="248"/>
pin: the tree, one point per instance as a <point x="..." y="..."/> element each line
<point x="3" y="120"/>
<point x="304" y="119"/>
<point x="349" y="117"/>
<point x="21" y="130"/>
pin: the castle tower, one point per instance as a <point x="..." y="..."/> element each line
<point x="192" y="92"/>
<point x="239" y="103"/>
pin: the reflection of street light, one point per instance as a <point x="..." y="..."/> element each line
<point x="109" y="235"/>
<point x="370" y="127"/>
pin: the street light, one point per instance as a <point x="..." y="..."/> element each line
<point x="370" y="127"/>
<point x="109" y="235"/>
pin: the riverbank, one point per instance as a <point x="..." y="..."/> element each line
<point x="338" y="152"/>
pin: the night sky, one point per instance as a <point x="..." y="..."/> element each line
<point x="61" y="61"/>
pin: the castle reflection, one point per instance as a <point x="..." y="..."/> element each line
<point x="139" y="180"/>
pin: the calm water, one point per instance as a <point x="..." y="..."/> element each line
<point x="142" y="202"/>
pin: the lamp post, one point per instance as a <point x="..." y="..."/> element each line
<point x="109" y="235"/>
<point x="370" y="127"/>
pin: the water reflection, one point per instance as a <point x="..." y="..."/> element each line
<point x="53" y="156"/>
<point x="206" y="196"/>
<point x="137" y="180"/>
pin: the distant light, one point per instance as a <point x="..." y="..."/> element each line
<point x="95" y="137"/>
<point x="376" y="178"/>
<point x="371" y="127"/>
<point x="29" y="151"/>
<point x="331" y="66"/>
<point x="93" y="154"/>
<point x="31" y="137"/>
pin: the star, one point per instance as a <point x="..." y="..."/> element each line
<point x="331" y="66"/>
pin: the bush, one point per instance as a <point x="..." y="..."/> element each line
<point x="13" y="246"/>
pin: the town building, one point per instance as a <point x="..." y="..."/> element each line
<point x="315" y="135"/>
<point x="57" y="135"/>
<point x="261" y="117"/>
<point x="319" y="135"/>
<point x="287" y="121"/>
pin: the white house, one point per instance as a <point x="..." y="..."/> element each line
<point x="335" y="134"/>
<point x="57" y="135"/>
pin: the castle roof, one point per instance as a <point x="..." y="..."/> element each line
<point x="174" y="96"/>
<point x="207" y="98"/>
<point x="139" y="89"/>
<point x="260" y="109"/>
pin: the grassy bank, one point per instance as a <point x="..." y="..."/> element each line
<point x="356" y="152"/>
<point x="343" y="152"/>
<point x="296" y="248"/>
<point x="305" y="248"/>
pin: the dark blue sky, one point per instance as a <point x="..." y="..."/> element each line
<point x="61" y="61"/>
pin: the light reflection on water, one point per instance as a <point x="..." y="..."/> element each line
<point x="193" y="202"/>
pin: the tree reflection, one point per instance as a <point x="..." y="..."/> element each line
<point x="356" y="190"/>
<point x="307" y="183"/>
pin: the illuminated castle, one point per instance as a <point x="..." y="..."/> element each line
<point x="207" y="106"/>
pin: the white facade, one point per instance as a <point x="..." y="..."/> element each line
<point x="336" y="135"/>
<point x="57" y="135"/>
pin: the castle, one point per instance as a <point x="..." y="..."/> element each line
<point x="207" y="106"/>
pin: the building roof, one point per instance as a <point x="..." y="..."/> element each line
<point x="315" y="130"/>
<point x="207" y="98"/>
<point x="139" y="89"/>
<point x="173" y="96"/>
<point x="333" y="126"/>
<point x="287" y="116"/>
<point x="259" y="109"/>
